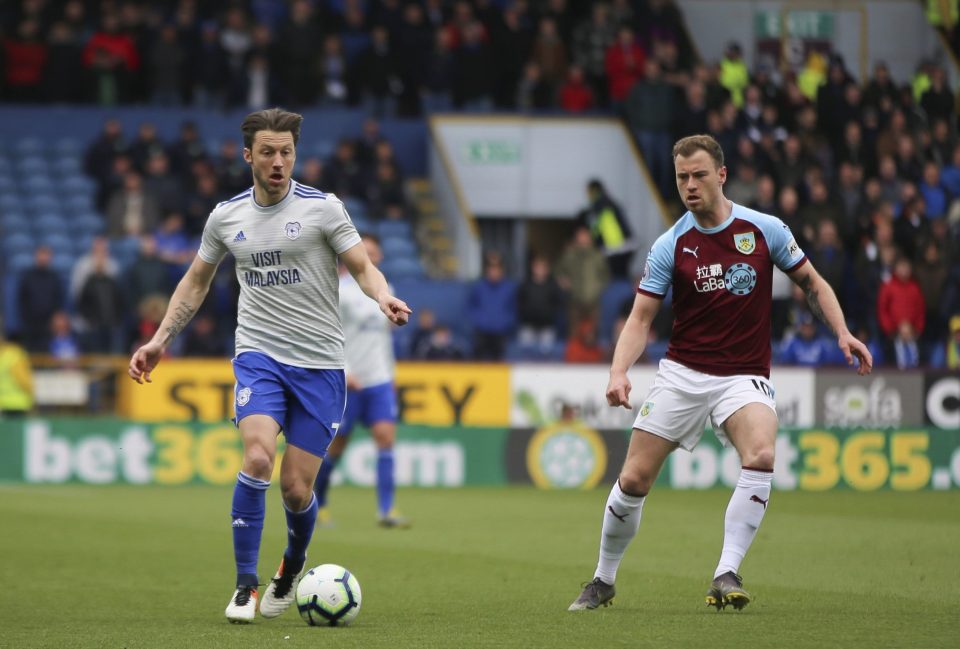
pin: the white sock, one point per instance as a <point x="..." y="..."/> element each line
<point x="744" y="513"/>
<point x="621" y="520"/>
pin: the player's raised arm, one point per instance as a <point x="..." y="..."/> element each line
<point x="825" y="306"/>
<point x="374" y="284"/>
<point x="632" y="342"/>
<point x="186" y="299"/>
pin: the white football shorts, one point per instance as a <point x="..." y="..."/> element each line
<point x="682" y="400"/>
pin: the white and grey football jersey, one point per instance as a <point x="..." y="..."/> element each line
<point x="368" y="343"/>
<point x="286" y="261"/>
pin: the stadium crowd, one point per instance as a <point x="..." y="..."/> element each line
<point x="866" y="172"/>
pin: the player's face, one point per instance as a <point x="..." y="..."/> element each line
<point x="700" y="182"/>
<point x="271" y="158"/>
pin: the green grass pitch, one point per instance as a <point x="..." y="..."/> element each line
<point x="129" y="567"/>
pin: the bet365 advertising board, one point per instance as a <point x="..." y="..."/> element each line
<point x="552" y="455"/>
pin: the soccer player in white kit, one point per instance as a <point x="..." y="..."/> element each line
<point x="285" y="238"/>
<point x="719" y="259"/>
<point x="371" y="394"/>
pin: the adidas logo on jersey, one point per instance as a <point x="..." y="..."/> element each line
<point x="240" y="236"/>
<point x="239" y="522"/>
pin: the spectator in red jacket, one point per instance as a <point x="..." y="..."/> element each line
<point x="901" y="300"/>
<point x="113" y="57"/>
<point x="25" y="56"/>
<point x="625" y="64"/>
<point x="583" y="345"/>
<point x="576" y="95"/>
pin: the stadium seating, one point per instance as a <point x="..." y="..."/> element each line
<point x="67" y="146"/>
<point x="396" y="247"/>
<point x="402" y="268"/>
<point x="88" y="223"/>
<point x="394" y="228"/>
<point x="31" y="165"/>
<point x="611" y="301"/>
<point x="14" y="221"/>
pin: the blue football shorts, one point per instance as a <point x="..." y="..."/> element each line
<point x="369" y="405"/>
<point x="307" y="403"/>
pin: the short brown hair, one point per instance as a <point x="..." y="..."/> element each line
<point x="689" y="145"/>
<point x="270" y="119"/>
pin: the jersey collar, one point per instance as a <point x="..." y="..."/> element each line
<point x="270" y="209"/>
<point x="734" y="208"/>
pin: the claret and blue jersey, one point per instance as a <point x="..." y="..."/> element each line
<point x="721" y="279"/>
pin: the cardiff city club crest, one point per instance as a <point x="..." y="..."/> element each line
<point x="746" y="242"/>
<point x="292" y="230"/>
<point x="243" y="396"/>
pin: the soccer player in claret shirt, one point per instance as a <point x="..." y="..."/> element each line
<point x="719" y="259"/>
<point x="285" y="238"/>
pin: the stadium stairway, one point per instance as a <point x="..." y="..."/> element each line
<point x="436" y="247"/>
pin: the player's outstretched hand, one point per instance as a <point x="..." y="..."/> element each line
<point x="853" y="348"/>
<point x="143" y="361"/>
<point x="618" y="391"/>
<point x="396" y="310"/>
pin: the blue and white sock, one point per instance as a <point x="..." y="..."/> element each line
<point x="249" y="506"/>
<point x="299" y="532"/>
<point x="386" y="483"/>
<point x="322" y="483"/>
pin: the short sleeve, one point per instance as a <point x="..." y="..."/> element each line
<point x="340" y="232"/>
<point x="784" y="249"/>
<point x="658" y="269"/>
<point x="212" y="248"/>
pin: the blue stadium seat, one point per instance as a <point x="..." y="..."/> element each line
<point x="322" y="149"/>
<point x="397" y="248"/>
<point x="77" y="203"/>
<point x="38" y="204"/>
<point x="51" y="223"/>
<point x="7" y="183"/>
<point x="59" y="242"/>
<point x="125" y="250"/>
<point x="394" y="228"/>
<point x="37" y="184"/>
<point x="83" y="242"/>
<point x="10" y="203"/>
<point x="356" y="208"/>
<point x="19" y="262"/>
<point x="362" y="223"/>
<point x="446" y="298"/>
<point x="29" y="146"/>
<point x="67" y="166"/>
<point x="87" y="223"/>
<point x="6" y="166"/>
<point x="611" y="301"/>
<point x="11" y="310"/>
<point x="77" y="184"/>
<point x="67" y="146"/>
<point x="63" y="263"/>
<point x="18" y="242"/>
<point x="14" y="221"/>
<point x="29" y="165"/>
<point x="401" y="268"/>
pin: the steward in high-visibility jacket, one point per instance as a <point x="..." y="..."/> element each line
<point x="16" y="379"/>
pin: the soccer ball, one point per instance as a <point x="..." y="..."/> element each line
<point x="328" y="595"/>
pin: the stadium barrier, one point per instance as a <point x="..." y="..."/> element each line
<point x="527" y="394"/>
<point x="562" y="454"/>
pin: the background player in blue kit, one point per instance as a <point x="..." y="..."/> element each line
<point x="285" y="238"/>
<point x="371" y="395"/>
<point x="719" y="260"/>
